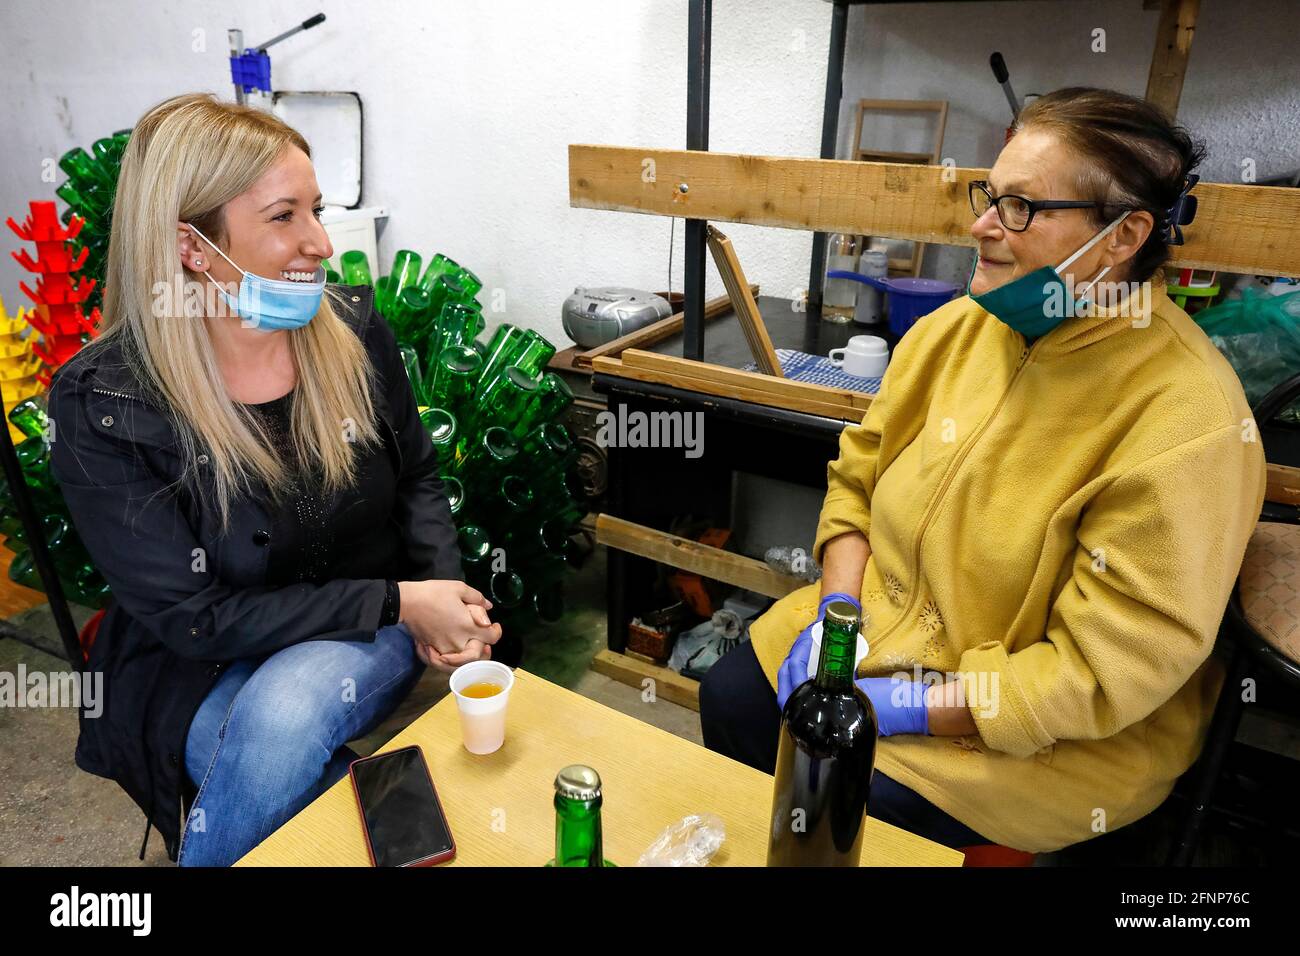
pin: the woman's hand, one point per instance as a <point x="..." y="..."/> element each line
<point x="475" y="650"/>
<point x="449" y="616"/>
<point x="794" y="669"/>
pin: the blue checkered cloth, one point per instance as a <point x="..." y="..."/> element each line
<point x="819" y="370"/>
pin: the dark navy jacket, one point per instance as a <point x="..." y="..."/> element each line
<point x="171" y="629"/>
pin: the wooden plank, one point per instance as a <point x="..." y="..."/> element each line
<point x="1174" y="36"/>
<point x="722" y="373"/>
<point x="668" y="684"/>
<point x="656" y="331"/>
<point x="688" y="555"/>
<point x="1283" y="485"/>
<point x="742" y="302"/>
<point x="1238" y="228"/>
<point x="705" y="386"/>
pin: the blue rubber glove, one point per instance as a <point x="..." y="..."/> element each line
<point x="900" y="705"/>
<point x="794" y="669"/>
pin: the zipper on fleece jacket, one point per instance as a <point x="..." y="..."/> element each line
<point x="943" y="487"/>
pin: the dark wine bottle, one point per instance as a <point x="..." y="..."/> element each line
<point x="825" y="758"/>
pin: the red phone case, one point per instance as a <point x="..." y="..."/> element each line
<point x="436" y="858"/>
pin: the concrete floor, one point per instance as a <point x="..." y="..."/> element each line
<point x="54" y="814"/>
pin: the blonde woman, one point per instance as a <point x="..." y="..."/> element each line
<point x="241" y="453"/>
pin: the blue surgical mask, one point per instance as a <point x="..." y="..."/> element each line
<point x="271" y="304"/>
<point x="1036" y="303"/>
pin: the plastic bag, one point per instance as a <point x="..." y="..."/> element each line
<point x="691" y="841"/>
<point x="1259" y="334"/>
<point x="699" y="648"/>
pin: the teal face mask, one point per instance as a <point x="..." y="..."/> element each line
<point x="1036" y="303"/>
<point x="271" y="304"/>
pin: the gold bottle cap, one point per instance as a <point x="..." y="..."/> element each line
<point x="578" y="782"/>
<point x="842" y="614"/>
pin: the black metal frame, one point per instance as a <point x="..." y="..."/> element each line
<point x="699" y="54"/>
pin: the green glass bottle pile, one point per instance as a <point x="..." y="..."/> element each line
<point x="493" y="413"/>
<point x="89" y="191"/>
<point x="82" y="583"/>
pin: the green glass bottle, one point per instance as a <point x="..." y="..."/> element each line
<point x="825" y="757"/>
<point x="552" y="399"/>
<point x="505" y="590"/>
<point x="410" y="318"/>
<point x="405" y="273"/>
<point x="548" y="604"/>
<point x="515" y="497"/>
<point x="411" y="361"/>
<point x="475" y="551"/>
<point x="356" y="268"/>
<point x="486" y="457"/>
<point x="457" y="325"/>
<point x="507" y="341"/>
<point x="23" y="571"/>
<point x="455" y="493"/>
<point x="446" y="289"/>
<point x="384" y="300"/>
<point x="441" y="426"/>
<point x="439" y="265"/>
<point x="454" y="378"/>
<point x="506" y="400"/>
<point x="471" y="283"/>
<point x="578" y="837"/>
<point x="31" y="416"/>
<point x="535" y="354"/>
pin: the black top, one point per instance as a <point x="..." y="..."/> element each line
<point x="306" y="524"/>
<point x="191" y="593"/>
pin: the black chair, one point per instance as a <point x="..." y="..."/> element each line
<point x="1260" y="636"/>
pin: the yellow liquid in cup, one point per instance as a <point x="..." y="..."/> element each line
<point x="481" y="689"/>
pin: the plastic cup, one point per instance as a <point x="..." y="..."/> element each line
<point x="482" y="719"/>
<point x="815" y="657"/>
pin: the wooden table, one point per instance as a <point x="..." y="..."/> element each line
<point x="499" y="806"/>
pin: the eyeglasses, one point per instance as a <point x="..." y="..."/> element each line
<point x="1017" y="212"/>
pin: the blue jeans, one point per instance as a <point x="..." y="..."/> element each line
<point x="269" y="737"/>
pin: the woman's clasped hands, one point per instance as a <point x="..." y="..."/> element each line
<point x="448" y="622"/>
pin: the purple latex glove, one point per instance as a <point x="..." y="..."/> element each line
<point x="900" y="705"/>
<point x="794" y="669"/>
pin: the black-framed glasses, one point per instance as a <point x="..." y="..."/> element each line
<point x="1017" y="212"/>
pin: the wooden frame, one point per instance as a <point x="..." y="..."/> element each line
<point x="742" y="302"/>
<point x="912" y="264"/>
<point x="1238" y="228"/>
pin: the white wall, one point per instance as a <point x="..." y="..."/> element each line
<point x="1241" y="94"/>
<point x="469" y="110"/>
<point x="470" y="106"/>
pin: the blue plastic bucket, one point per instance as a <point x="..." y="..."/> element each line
<point x="907" y="299"/>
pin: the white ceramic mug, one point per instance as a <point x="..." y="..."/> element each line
<point x="866" y="356"/>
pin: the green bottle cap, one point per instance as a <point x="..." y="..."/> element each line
<point x="578" y="782"/>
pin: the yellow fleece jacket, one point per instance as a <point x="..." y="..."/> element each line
<point x="1060" y="526"/>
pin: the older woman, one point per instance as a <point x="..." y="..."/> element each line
<point x="245" y="463"/>
<point x="1041" y="515"/>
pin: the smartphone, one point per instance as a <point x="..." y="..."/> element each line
<point x="400" y="811"/>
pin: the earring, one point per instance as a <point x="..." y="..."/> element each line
<point x="198" y="261"/>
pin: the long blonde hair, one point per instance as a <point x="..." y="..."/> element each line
<point x="187" y="157"/>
